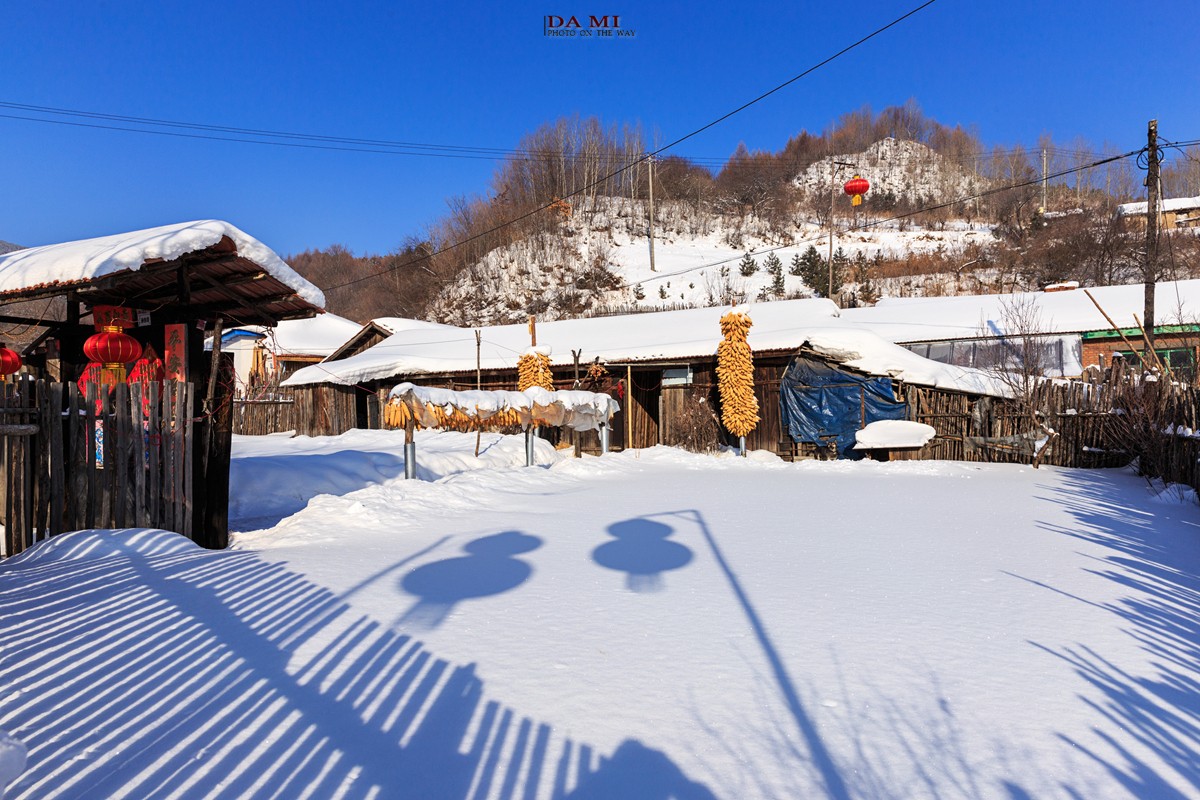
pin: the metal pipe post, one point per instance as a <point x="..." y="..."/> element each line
<point x="410" y="460"/>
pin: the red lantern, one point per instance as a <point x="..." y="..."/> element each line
<point x="856" y="187"/>
<point x="114" y="350"/>
<point x="10" y="361"/>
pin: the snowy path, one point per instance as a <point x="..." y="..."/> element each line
<point x="644" y="625"/>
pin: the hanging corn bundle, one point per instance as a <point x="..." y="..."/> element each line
<point x="430" y="407"/>
<point x="596" y="376"/>
<point x="533" y="369"/>
<point x="735" y="375"/>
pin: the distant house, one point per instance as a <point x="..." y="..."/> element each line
<point x="1178" y="212"/>
<point x="264" y="356"/>
<point x="1070" y="332"/>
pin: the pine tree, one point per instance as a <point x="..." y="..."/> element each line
<point x="747" y="266"/>
<point x="774" y="268"/>
<point x="841" y="266"/>
<point x="813" y="271"/>
<point x="797" y="266"/>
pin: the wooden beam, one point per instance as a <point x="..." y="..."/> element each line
<point x="41" y="323"/>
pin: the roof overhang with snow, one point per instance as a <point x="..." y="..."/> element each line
<point x="652" y="338"/>
<point x="201" y="270"/>
<point x="1167" y="205"/>
<point x="860" y="350"/>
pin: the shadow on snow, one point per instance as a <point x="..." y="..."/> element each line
<point x="155" y="672"/>
<point x="1157" y="558"/>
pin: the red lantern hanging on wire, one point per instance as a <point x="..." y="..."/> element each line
<point x="10" y="361"/>
<point x="112" y="349"/>
<point x="856" y="187"/>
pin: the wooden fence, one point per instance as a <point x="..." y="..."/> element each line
<point x="1088" y="424"/>
<point x="113" y="458"/>
<point x="259" y="416"/>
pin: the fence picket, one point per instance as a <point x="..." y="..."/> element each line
<point x="52" y="418"/>
<point x="155" y="486"/>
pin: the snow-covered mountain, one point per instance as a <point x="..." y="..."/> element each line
<point x="908" y="170"/>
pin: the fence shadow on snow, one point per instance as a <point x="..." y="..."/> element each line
<point x="142" y="666"/>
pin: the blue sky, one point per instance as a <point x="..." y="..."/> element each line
<point x="483" y="75"/>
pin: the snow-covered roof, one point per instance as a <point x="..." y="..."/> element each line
<point x="1173" y="204"/>
<point x="861" y="349"/>
<point x="86" y="260"/>
<point x="397" y="324"/>
<point x="922" y="319"/>
<point x="317" y="336"/>
<point x="653" y="337"/>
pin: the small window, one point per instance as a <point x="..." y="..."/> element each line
<point x="679" y="376"/>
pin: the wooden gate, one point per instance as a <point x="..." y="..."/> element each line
<point x="112" y="458"/>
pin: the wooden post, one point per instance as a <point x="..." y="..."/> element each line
<point x="219" y="442"/>
<point x="576" y="436"/>
<point x="1116" y="328"/>
<point x="1148" y="338"/>
<point x="478" y="381"/>
<point x="628" y="408"/>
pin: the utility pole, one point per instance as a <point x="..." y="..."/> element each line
<point x="651" y="173"/>
<point x="1043" y="180"/>
<point x="1151" y="267"/>
<point x="829" y="263"/>
<point x="832" y="195"/>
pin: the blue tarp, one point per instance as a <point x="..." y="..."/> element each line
<point x="818" y="402"/>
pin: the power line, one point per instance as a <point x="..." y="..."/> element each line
<point x="662" y="149"/>
<point x="211" y="132"/>
<point x="895" y="218"/>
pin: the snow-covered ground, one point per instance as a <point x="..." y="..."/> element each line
<point x="650" y="624"/>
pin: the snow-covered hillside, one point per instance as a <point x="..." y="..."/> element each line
<point x="601" y="261"/>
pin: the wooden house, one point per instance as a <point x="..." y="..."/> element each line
<point x="655" y="364"/>
<point x="265" y="356"/>
<point x="1176" y="212"/>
